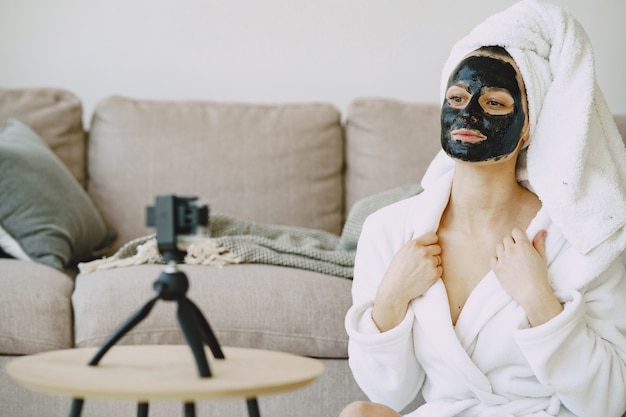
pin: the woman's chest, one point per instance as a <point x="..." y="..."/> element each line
<point x="465" y="263"/>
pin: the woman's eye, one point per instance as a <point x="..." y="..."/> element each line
<point x="455" y="99"/>
<point x="498" y="102"/>
<point x="457" y="96"/>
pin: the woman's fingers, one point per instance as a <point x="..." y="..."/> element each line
<point x="429" y="238"/>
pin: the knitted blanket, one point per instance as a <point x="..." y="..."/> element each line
<point x="234" y="240"/>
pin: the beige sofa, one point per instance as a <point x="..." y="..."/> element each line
<point x="293" y="164"/>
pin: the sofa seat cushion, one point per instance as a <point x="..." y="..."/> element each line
<point x="259" y="306"/>
<point x="35" y="308"/>
<point x="277" y="164"/>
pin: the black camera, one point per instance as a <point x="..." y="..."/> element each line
<point x="178" y="221"/>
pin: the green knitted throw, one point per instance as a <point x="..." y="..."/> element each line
<point x="234" y="240"/>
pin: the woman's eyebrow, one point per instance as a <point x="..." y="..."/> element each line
<point x="496" y="90"/>
<point x="461" y="84"/>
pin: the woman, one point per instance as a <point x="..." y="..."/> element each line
<point x="498" y="291"/>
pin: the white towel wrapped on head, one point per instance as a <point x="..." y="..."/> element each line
<point x="576" y="160"/>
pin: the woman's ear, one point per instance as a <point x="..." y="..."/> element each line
<point x="525" y="132"/>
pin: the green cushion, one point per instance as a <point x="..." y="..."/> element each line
<point x="42" y="207"/>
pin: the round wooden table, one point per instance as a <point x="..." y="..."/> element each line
<point x="163" y="372"/>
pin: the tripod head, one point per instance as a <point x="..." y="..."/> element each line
<point x="177" y="220"/>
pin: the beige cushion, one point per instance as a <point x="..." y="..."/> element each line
<point x="259" y="306"/>
<point x="388" y="143"/>
<point x="35" y="308"/>
<point x="273" y="164"/>
<point x="56" y="115"/>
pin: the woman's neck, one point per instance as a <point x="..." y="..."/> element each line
<point x="485" y="196"/>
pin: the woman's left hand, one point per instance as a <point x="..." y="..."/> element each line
<point x="522" y="269"/>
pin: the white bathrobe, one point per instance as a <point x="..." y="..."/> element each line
<point x="491" y="363"/>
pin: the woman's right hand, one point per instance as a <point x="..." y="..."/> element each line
<point x="412" y="271"/>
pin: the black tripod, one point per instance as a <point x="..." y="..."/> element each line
<point x="171" y="285"/>
<point x="173" y="216"/>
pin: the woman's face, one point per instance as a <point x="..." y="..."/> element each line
<point x="483" y="114"/>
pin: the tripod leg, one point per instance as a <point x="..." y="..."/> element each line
<point x="207" y="332"/>
<point x="123" y="329"/>
<point x="191" y="330"/>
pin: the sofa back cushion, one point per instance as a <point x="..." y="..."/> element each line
<point x="388" y="143"/>
<point x="279" y="164"/>
<point x="56" y="115"/>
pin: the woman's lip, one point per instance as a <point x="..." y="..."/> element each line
<point x="467" y="135"/>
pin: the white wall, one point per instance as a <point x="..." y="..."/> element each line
<point x="264" y="50"/>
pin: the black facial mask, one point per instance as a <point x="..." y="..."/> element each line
<point x="503" y="132"/>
